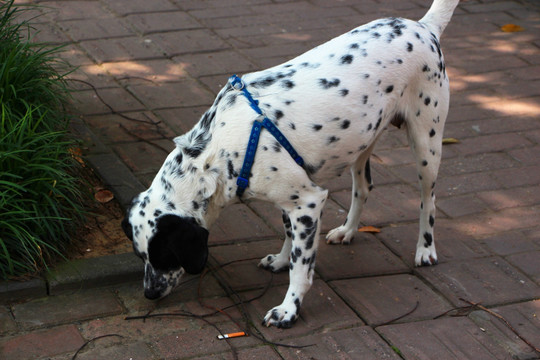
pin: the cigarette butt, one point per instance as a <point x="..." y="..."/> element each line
<point x="231" y="335"/>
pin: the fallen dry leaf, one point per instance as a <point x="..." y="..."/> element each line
<point x="76" y="153"/>
<point x="512" y="28"/>
<point x="369" y="229"/>
<point x="104" y="196"/>
<point x="447" y="141"/>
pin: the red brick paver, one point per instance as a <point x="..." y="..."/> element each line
<point x="44" y="342"/>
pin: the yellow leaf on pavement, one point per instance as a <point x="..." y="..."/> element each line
<point x="447" y="141"/>
<point x="512" y="28"/>
<point x="369" y="229"/>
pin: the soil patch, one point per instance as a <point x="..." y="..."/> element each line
<point x="102" y="233"/>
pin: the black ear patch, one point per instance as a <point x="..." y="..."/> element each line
<point x="178" y="242"/>
<point x="128" y="229"/>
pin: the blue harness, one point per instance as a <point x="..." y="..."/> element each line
<point x="243" y="179"/>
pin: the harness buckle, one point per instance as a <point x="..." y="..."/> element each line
<point x="242" y="182"/>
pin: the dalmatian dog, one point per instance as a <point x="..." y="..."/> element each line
<point x="332" y="104"/>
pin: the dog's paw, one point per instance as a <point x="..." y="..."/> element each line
<point x="281" y="317"/>
<point x="340" y="235"/>
<point x="274" y="264"/>
<point x="425" y="257"/>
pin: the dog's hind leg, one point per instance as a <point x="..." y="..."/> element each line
<point x="425" y="132"/>
<point x="361" y="186"/>
<point x="280" y="262"/>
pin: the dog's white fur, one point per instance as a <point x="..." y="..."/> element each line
<point x="332" y="104"/>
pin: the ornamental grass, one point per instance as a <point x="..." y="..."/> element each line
<point x="40" y="188"/>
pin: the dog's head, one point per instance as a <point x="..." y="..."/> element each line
<point x="169" y="245"/>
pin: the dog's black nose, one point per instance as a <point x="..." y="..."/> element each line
<point x="152" y="294"/>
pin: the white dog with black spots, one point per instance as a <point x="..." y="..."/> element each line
<point x="332" y="104"/>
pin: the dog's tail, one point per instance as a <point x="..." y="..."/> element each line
<point x="439" y="15"/>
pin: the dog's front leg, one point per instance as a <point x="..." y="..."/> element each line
<point x="305" y="219"/>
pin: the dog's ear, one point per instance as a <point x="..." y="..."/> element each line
<point x="128" y="229"/>
<point x="193" y="249"/>
<point x="179" y="242"/>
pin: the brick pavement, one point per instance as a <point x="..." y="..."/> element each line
<point x="158" y="64"/>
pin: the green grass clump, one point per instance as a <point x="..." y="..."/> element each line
<point x="40" y="196"/>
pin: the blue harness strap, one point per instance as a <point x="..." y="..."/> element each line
<point x="243" y="178"/>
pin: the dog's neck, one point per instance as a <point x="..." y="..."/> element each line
<point x="197" y="176"/>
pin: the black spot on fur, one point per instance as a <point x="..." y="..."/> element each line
<point x="179" y="158"/>
<point x="431" y="220"/>
<point x="278" y="114"/>
<point x="311" y="205"/>
<point x="432" y="133"/>
<point x="267" y="81"/>
<point x="288" y="84"/>
<point x="230" y="169"/>
<point x="345" y="124"/>
<point x="294" y="197"/>
<point x="347" y="59"/>
<point x="424" y="162"/>
<point x="306" y="220"/>
<point x="379" y="120"/>
<point x="427" y="100"/>
<point x="311" y="238"/>
<point x="367" y="172"/>
<point x="343" y="92"/>
<point x="207" y="119"/>
<point x="294" y="258"/>
<point x="192" y="152"/>
<point x="409" y="47"/>
<point x="364" y="99"/>
<point x="332" y="139"/>
<point x="327" y="84"/>
<point x="389" y="89"/>
<point x="317" y="127"/>
<point x="429" y="239"/>
<point x="437" y="45"/>
<point x="231" y="99"/>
